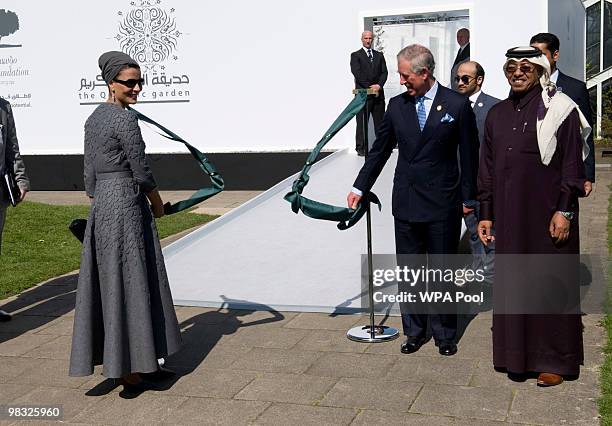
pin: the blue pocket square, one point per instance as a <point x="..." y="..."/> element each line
<point x="447" y="118"/>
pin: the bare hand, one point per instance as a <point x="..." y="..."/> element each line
<point x="467" y="210"/>
<point x="158" y="210"/>
<point x="559" y="227"/>
<point x="23" y="194"/>
<point x="375" y="87"/>
<point x="588" y="187"/>
<point x="484" y="231"/>
<point x="352" y="200"/>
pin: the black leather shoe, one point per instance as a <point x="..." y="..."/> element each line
<point x="412" y="344"/>
<point x="162" y="373"/>
<point x="5" y="316"/>
<point x="447" y="349"/>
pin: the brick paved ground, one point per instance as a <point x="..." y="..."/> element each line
<point x="241" y="367"/>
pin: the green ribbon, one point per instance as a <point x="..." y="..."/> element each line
<point x="200" y="195"/>
<point x="346" y="217"/>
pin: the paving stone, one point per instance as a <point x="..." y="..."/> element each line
<point x="291" y="388"/>
<point x="393" y="348"/>
<point x="14" y="366"/>
<point x="12" y="391"/>
<point x="475" y="347"/>
<point x="486" y="376"/>
<point x="59" y="326"/>
<point x="330" y="341"/>
<point x="18" y="344"/>
<point x="444" y="370"/>
<point x="549" y="406"/>
<point x="385" y="418"/>
<point x="266" y="337"/>
<point x="25" y="323"/>
<point x="377" y="394"/>
<point x="55" y="349"/>
<point x="315" y="321"/>
<point x="55" y="307"/>
<point x="351" y="365"/>
<point x="50" y="372"/>
<point x="212" y="411"/>
<point x="462" y="401"/>
<point x="72" y="401"/>
<point x="207" y="382"/>
<point x="276" y="360"/>
<point x="203" y="315"/>
<point x="291" y="414"/>
<point x="204" y="355"/>
<point x="147" y="408"/>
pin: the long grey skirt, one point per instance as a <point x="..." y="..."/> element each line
<point x="124" y="317"/>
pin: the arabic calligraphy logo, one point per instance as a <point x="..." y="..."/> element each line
<point x="148" y="33"/>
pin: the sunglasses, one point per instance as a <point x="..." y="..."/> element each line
<point x="465" y="79"/>
<point x="132" y="82"/>
<point x="525" y="69"/>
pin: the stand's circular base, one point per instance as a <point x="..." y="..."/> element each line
<point x="382" y="333"/>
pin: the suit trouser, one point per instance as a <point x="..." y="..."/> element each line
<point x="2" y="217"/>
<point x="439" y="237"/>
<point x="376" y="108"/>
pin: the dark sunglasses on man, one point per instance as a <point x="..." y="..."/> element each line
<point x="465" y="79"/>
<point x="131" y="83"/>
<point x="524" y="68"/>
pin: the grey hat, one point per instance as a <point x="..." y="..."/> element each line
<point x="111" y="63"/>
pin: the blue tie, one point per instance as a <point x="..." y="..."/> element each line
<point x="421" y="114"/>
<point x="370" y="55"/>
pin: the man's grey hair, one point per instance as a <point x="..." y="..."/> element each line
<point x="420" y="58"/>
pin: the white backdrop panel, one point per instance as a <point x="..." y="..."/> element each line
<point x="262" y="76"/>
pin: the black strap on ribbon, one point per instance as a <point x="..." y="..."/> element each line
<point x="346" y="217"/>
<point x="200" y="195"/>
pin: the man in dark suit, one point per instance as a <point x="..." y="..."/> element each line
<point x="370" y="71"/>
<point x="430" y="124"/>
<point x="463" y="54"/>
<point x="549" y="45"/>
<point x="9" y="157"/>
<point x="469" y="79"/>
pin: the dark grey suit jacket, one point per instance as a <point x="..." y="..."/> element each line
<point x="577" y="90"/>
<point x="482" y="106"/>
<point x="9" y="150"/>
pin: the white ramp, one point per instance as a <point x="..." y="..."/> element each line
<point x="263" y="254"/>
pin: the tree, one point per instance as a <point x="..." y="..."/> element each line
<point x="9" y="23"/>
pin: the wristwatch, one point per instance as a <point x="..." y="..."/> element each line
<point x="568" y="215"/>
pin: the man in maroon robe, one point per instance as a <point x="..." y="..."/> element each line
<point x="530" y="177"/>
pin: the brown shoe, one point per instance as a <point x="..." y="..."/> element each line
<point x="549" y="379"/>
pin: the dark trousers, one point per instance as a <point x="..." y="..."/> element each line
<point x="434" y="238"/>
<point x="376" y="108"/>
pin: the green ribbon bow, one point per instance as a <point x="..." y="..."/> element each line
<point x="200" y="195"/>
<point x="346" y="217"/>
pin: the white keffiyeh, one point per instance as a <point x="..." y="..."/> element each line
<point x="558" y="107"/>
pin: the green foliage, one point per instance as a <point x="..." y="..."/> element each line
<point x="37" y="244"/>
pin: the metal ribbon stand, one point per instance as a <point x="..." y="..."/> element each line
<point x="370" y="333"/>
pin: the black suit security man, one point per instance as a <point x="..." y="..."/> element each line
<point x="430" y="124"/>
<point x="370" y="71"/>
<point x="549" y="45"/>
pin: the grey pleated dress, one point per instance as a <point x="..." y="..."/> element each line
<point x="124" y="316"/>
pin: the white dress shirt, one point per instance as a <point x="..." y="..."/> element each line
<point x="429" y="98"/>
<point x="473" y="98"/>
<point x="554" y="76"/>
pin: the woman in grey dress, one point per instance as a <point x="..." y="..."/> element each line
<point x="124" y="316"/>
